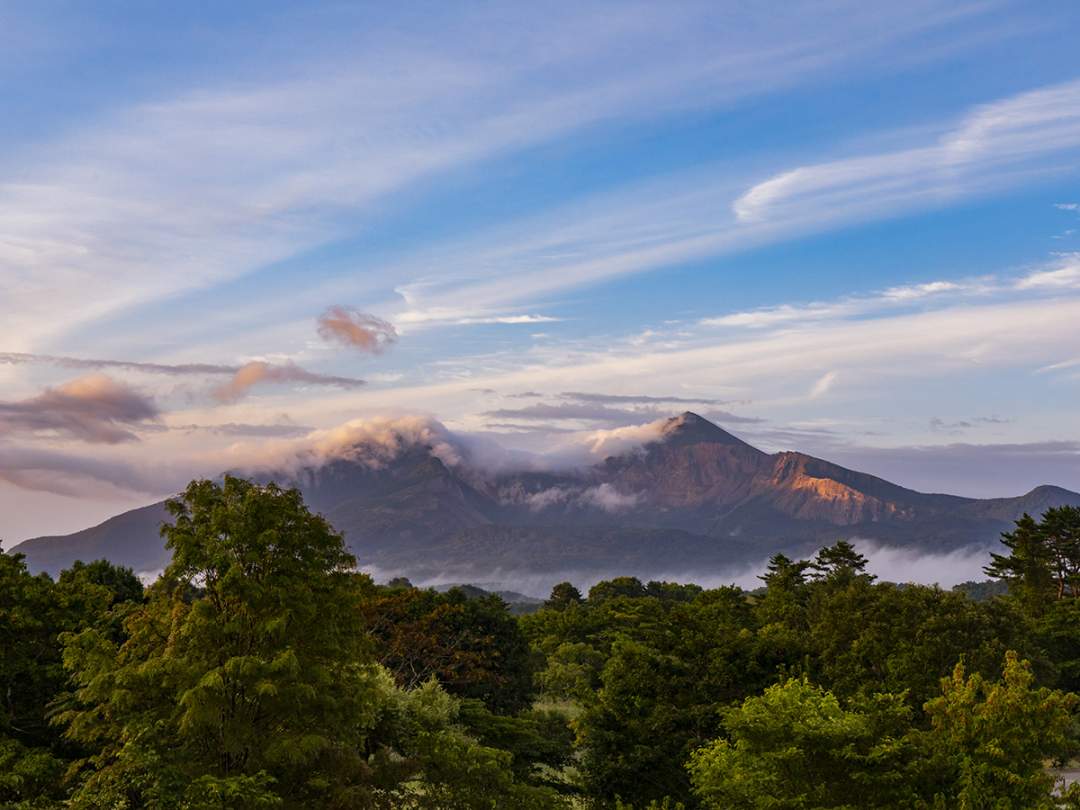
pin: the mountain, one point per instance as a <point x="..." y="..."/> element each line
<point x="693" y="500"/>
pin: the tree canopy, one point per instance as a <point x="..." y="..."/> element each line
<point x="263" y="670"/>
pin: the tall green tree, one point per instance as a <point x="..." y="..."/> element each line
<point x="840" y="564"/>
<point x="786" y="592"/>
<point x="563" y="595"/>
<point x="31" y="671"/>
<point x="782" y="611"/>
<point x="1042" y="572"/>
<point x="989" y="742"/>
<point x="796" y="746"/>
<point x="658" y="696"/>
<point x="1027" y="566"/>
<point x="472" y="645"/>
<point x="31" y="675"/>
<point x="625" y="587"/>
<point x="34" y="613"/>
<point x="1060" y="528"/>
<point x="245" y="680"/>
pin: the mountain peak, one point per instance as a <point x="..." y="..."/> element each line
<point x="1049" y="490"/>
<point x="690" y="428"/>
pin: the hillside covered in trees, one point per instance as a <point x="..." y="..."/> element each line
<point x="262" y="670"/>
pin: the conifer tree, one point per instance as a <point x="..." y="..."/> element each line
<point x="840" y="563"/>
<point x="1028" y="568"/>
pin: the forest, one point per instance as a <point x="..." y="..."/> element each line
<point x="263" y="670"/>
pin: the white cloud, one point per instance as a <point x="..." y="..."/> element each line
<point x="94" y="408"/>
<point x="1063" y="365"/>
<point x="783" y="313"/>
<point x="609" y="499"/>
<point x="996" y="145"/>
<point x="823" y="385"/>
<point x="374" y="441"/>
<point x="616" y="441"/>
<point x="413" y="319"/>
<point x="914" y="292"/>
<point x="1064" y="273"/>
<point x="201" y="186"/>
<point x="849" y="306"/>
<point x="912" y="344"/>
<point x="894" y="564"/>
<point x="603" y="496"/>
<point x="685" y="218"/>
<point x="545" y="498"/>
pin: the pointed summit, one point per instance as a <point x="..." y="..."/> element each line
<point x="689" y="428"/>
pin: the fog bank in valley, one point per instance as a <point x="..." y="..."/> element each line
<point x="887" y="563"/>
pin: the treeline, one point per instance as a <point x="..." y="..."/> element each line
<point x="261" y="670"/>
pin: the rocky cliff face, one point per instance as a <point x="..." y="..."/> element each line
<point x="697" y="495"/>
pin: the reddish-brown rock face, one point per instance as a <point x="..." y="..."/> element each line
<point x="697" y="465"/>
<point x="800" y="486"/>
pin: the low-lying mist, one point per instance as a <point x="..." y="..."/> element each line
<point x="887" y="563"/>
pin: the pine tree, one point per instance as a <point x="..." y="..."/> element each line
<point x="840" y="563"/>
<point x="1028" y="568"/>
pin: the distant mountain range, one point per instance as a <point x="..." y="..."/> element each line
<point x="697" y="500"/>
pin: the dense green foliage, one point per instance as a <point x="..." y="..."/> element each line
<point x="842" y="686"/>
<point x="35" y="613"/>
<point x="981" y="745"/>
<point x="470" y="643"/>
<point x="262" y="670"/>
<point x="245" y="677"/>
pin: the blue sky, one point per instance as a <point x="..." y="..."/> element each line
<point x="847" y="228"/>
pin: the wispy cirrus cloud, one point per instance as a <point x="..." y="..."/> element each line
<point x="202" y="185"/>
<point x="609" y="409"/>
<point x="1063" y="273"/>
<point x="438" y="316"/>
<point x="787" y="363"/>
<point x="1062" y="365"/>
<point x="995" y="145"/>
<point x="823" y="384"/>
<point x="709" y="212"/>
<point x="179" y="369"/>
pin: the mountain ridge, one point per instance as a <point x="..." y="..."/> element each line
<point x="696" y="496"/>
